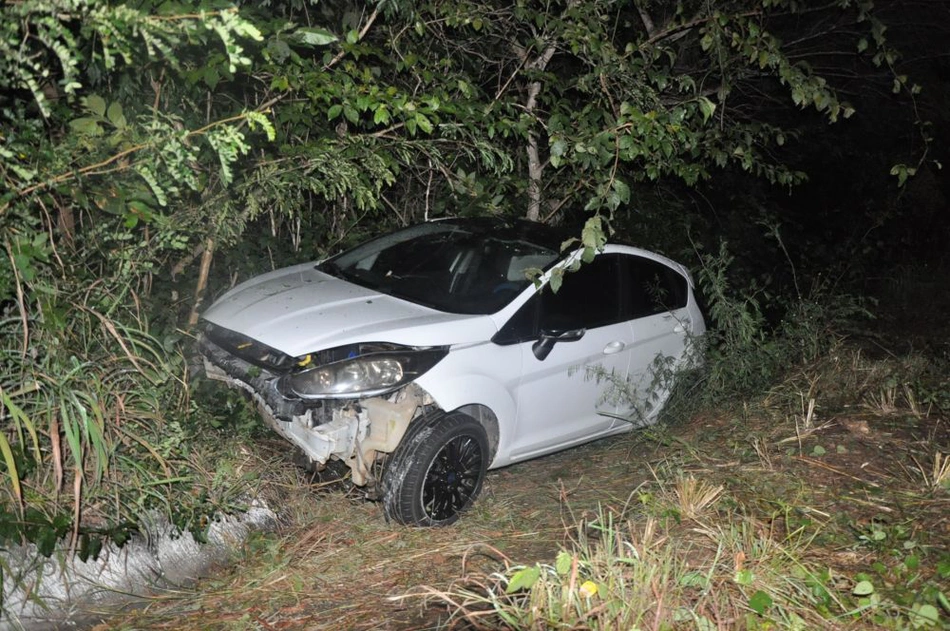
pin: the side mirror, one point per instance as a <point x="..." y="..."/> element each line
<point x="549" y="337"/>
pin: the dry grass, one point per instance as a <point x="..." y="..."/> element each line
<point x="694" y="525"/>
<point x="695" y="497"/>
<point x="936" y="477"/>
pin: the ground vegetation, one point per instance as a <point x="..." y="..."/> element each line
<point x="153" y="153"/>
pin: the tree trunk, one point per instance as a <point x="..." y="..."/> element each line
<point x="206" y="258"/>
<point x="535" y="167"/>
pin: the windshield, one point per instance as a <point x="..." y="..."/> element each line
<point x="449" y="266"/>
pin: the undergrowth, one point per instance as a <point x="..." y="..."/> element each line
<point x="745" y="352"/>
<point x="100" y="430"/>
<point x="656" y="567"/>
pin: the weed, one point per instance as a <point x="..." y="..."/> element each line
<point x="694" y="497"/>
<point x="937" y="476"/>
<point x="100" y="433"/>
<point x="745" y="353"/>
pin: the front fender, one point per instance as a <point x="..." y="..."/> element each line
<point x="461" y="379"/>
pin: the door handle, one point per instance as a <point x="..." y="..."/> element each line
<point x="614" y="347"/>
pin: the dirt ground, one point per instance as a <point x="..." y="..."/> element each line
<point x="856" y="476"/>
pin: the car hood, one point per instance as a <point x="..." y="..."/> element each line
<point x="299" y="310"/>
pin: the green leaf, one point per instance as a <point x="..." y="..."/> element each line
<point x="924" y="616"/>
<point x="381" y="115"/>
<point x="310" y="36"/>
<point x="563" y="563"/>
<point x="592" y="235"/>
<point x="556" y="279"/>
<point x="524" y="578"/>
<point x="707" y="108"/>
<point x="424" y="123"/>
<point x="744" y="577"/>
<point x="12" y="473"/>
<point x="902" y="171"/>
<point x="86" y="126"/>
<point x="115" y="115"/>
<point x="558" y="149"/>
<point x="95" y="104"/>
<point x="334" y="111"/>
<point x="622" y="190"/>
<point x="257" y="119"/>
<point x="760" y="602"/>
<point x="694" y="579"/>
<point x="863" y="588"/>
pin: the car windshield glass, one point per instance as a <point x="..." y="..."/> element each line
<point x="450" y="267"/>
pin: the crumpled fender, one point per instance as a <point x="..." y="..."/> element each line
<point x="474" y="389"/>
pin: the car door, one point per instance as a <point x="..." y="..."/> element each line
<point x="568" y="396"/>
<point x="656" y="300"/>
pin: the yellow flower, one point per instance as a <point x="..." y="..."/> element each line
<point x="588" y="589"/>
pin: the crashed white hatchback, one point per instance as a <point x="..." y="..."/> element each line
<point x="425" y="357"/>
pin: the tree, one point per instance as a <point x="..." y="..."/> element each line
<point x="147" y="145"/>
<point x="97" y="188"/>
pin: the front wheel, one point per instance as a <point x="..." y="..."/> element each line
<point x="436" y="471"/>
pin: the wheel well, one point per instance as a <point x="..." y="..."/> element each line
<point x="488" y="420"/>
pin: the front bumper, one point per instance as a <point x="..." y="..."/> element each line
<point x="321" y="428"/>
<point x="354" y="431"/>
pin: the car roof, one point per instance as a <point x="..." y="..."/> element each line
<point x="547" y="236"/>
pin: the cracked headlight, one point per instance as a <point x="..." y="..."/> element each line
<point x="364" y="375"/>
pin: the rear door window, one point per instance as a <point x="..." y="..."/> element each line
<point x="652" y="287"/>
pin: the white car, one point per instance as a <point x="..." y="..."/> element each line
<point x="425" y="357"/>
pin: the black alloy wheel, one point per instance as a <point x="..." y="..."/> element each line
<point x="436" y="471"/>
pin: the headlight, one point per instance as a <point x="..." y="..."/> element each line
<point x="365" y="375"/>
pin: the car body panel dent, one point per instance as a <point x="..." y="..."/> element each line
<point x="356" y="431"/>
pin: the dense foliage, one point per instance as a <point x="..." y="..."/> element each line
<point x="146" y="146"/>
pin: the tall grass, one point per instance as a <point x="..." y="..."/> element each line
<point x="91" y="432"/>
<point x="747" y="352"/>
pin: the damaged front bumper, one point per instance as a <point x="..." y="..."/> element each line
<point x="354" y="431"/>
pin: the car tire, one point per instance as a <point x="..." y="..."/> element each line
<point x="436" y="471"/>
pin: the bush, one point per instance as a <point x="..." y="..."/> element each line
<point x="744" y="352"/>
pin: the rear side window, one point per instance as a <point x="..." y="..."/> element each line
<point x="653" y="287"/>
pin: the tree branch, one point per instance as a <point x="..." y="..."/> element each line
<point x="369" y="23"/>
<point x="65" y="177"/>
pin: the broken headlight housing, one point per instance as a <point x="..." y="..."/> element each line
<point x="364" y="370"/>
